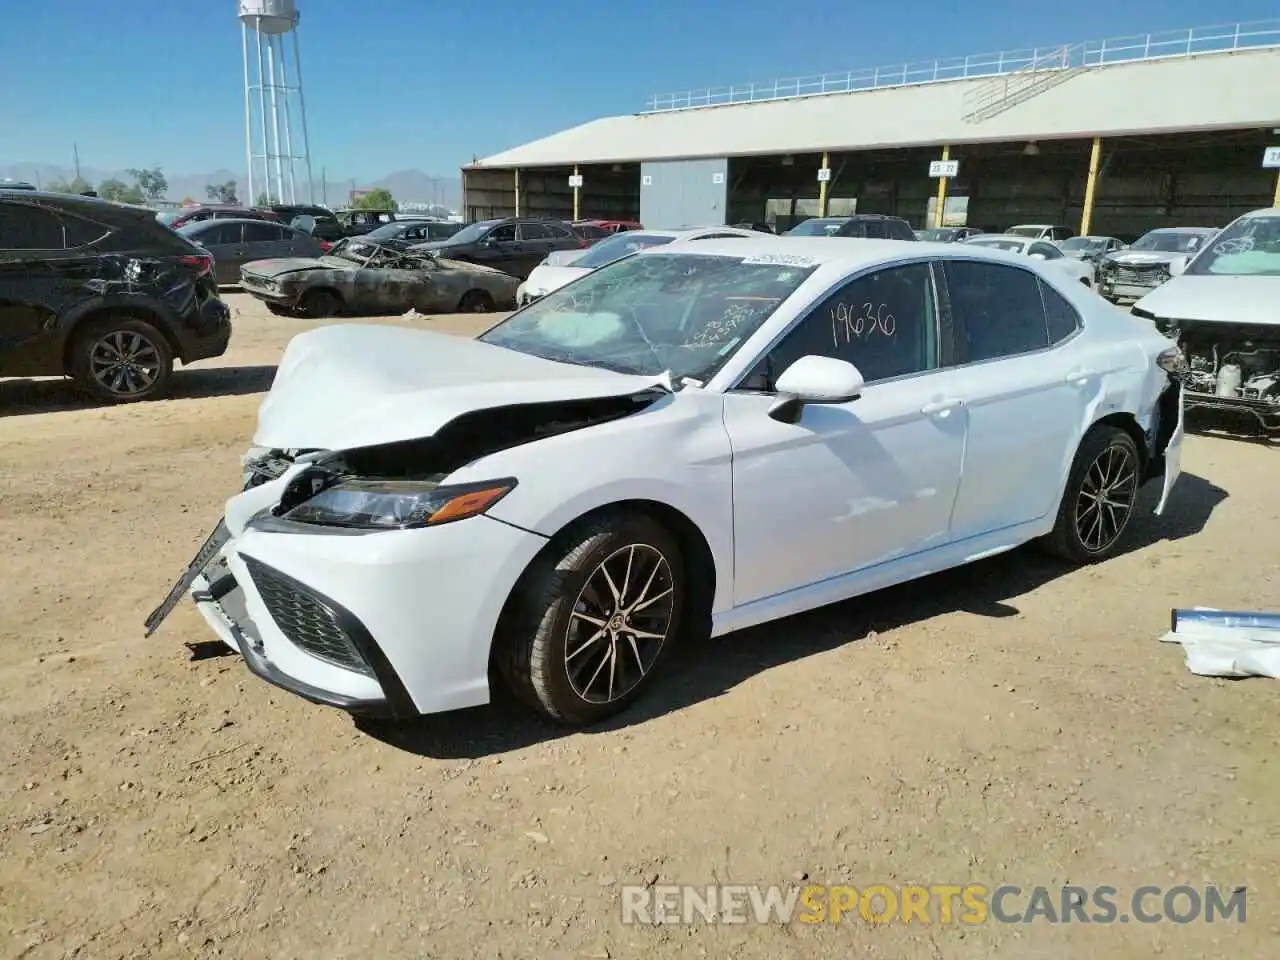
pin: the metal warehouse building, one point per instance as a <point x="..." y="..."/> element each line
<point x="1110" y="137"/>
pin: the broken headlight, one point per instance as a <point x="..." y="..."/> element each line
<point x="397" y="504"/>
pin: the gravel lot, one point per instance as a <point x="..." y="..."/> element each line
<point x="1013" y="722"/>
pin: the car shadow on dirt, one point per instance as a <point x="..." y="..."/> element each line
<point x="19" y="397"/>
<point x="708" y="669"/>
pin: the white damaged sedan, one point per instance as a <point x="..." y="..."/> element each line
<point x="687" y="440"/>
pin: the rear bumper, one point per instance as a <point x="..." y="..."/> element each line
<point x="208" y="334"/>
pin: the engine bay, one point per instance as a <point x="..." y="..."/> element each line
<point x="1233" y="365"/>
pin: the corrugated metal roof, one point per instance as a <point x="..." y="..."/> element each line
<point x="1209" y="92"/>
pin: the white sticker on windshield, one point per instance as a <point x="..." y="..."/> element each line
<point x="780" y="260"/>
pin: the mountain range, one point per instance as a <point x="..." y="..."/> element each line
<point x="405" y="185"/>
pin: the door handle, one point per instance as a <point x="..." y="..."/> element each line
<point x="941" y="407"/>
<point x="1079" y="377"/>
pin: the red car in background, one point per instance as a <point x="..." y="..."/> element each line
<point x="213" y="211"/>
<point x="593" y="230"/>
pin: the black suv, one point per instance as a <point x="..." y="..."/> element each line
<point x="103" y="293"/>
<point x="875" y="226"/>
<point x="514" y="245"/>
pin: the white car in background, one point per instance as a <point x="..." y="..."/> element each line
<point x="548" y="276"/>
<point x="1080" y="270"/>
<point x="697" y="438"/>
<point x="1222" y="306"/>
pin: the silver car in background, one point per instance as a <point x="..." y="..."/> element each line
<point x="1133" y="273"/>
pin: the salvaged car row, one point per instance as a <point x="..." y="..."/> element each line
<point x="113" y="295"/>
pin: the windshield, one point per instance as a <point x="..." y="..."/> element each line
<point x="1000" y="243"/>
<point x="1083" y="243"/>
<point x="817" y="227"/>
<point x="1169" y="241"/>
<point x="1250" y="247"/>
<point x="472" y="232"/>
<point x="941" y="234"/>
<point x="1030" y="230"/>
<point x="618" y="246"/>
<point x="168" y="216"/>
<point x="680" y="312"/>
<point x="388" y="231"/>
<point x="193" y="229"/>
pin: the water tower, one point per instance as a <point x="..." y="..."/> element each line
<point x="274" y="107"/>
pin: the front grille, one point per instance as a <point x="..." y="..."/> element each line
<point x="1141" y="276"/>
<point x="307" y="621"/>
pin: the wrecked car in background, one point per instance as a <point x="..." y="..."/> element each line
<point x="362" y="276"/>
<point x="102" y="293"/>
<point x="1135" y="272"/>
<point x="1223" y="308"/>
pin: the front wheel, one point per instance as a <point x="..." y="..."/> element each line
<point x="1098" y="501"/>
<point x="591" y="622"/>
<point x="320" y="304"/>
<point x="475" y="301"/>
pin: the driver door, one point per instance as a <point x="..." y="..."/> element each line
<point x="850" y="485"/>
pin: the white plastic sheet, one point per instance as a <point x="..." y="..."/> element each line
<point x="1217" y="651"/>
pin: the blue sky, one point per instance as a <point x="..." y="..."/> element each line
<point x="394" y="84"/>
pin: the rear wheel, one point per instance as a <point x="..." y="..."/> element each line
<point x="592" y="621"/>
<point x="279" y="310"/>
<point x="475" y="301"/>
<point x="121" y="359"/>
<point x="1098" y="501"/>
<point x="318" y="304"/>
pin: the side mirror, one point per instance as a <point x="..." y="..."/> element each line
<point x="1177" y="266"/>
<point x="815" y="379"/>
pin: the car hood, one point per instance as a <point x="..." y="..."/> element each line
<point x="1143" y="258"/>
<point x="546" y="278"/>
<point x="355" y="385"/>
<point x="279" y="267"/>
<point x="474" y="268"/>
<point x="1216" y="300"/>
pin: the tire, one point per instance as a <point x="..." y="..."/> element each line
<point x="120" y="359"/>
<point x="279" y="311"/>
<point x="475" y="301"/>
<point x="1085" y="533"/>
<point x="546" y="654"/>
<point x="319" y="304"/>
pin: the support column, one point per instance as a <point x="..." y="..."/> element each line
<point x="823" y="186"/>
<point x="577" y="193"/>
<point x="1276" y="201"/>
<point x="1090" y="187"/>
<point x="942" y="189"/>
<point x="517" y="176"/>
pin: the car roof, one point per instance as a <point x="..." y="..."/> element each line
<point x="1183" y="230"/>
<point x="845" y="253"/>
<point x="1264" y="213"/>
<point x="75" y="202"/>
<point x="207" y="224"/>
<point x="1002" y="237"/>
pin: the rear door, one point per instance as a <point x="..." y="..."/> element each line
<point x="1025" y="390"/>
<point x="225" y="240"/>
<point x="266" y="241"/>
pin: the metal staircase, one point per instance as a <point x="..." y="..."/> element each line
<point x="1045" y="72"/>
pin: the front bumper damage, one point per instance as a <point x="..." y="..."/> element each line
<point x="391" y="624"/>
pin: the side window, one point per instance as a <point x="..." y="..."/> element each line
<point x="874" y="230"/>
<point x="534" y="231"/>
<point x="1062" y="317"/>
<point x="29" y="228"/>
<point x="223" y="234"/>
<point x="998" y="308"/>
<point x="884" y="323"/>
<point x="721" y="236"/>
<point x="80" y="232"/>
<point x="261" y="232"/>
<point x="1046" y="250"/>
<point x="504" y="234"/>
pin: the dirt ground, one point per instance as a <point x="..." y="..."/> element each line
<point x="1013" y="722"/>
